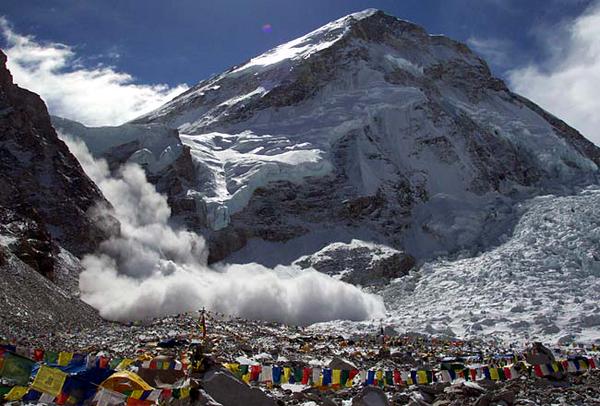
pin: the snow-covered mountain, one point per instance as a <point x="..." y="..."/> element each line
<point x="390" y="158"/>
<point x="369" y="125"/>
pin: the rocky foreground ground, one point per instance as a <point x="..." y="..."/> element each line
<point x="231" y="340"/>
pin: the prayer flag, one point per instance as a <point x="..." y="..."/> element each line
<point x="49" y="380"/>
<point x="397" y="377"/>
<point x="254" y="372"/>
<point x="345" y="378"/>
<point x="422" y="377"/>
<point x="413" y="378"/>
<point x="316" y="376"/>
<point x="494" y="374"/>
<point x="287" y="374"/>
<point x="336" y="377"/>
<point x="277" y="371"/>
<point x="389" y="377"/>
<point x="507" y="373"/>
<point x="370" y="377"/>
<point x="16" y="369"/>
<point x="327" y="377"/>
<point x="305" y="376"/>
<point x="38" y="355"/>
<point x="50" y="357"/>
<point x="351" y="376"/>
<point x="64" y="358"/>
<point x="16" y="393"/>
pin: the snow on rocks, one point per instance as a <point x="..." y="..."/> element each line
<point x="541" y="283"/>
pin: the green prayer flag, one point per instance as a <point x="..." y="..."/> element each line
<point x="501" y="374"/>
<point x="114" y="362"/>
<point x="16" y="369"/>
<point x="389" y="377"/>
<point x="298" y="375"/>
<point x="345" y="375"/>
<point x="50" y="357"/>
<point x="176" y="393"/>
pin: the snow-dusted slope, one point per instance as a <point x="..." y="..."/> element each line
<point x="543" y="282"/>
<point x="364" y="123"/>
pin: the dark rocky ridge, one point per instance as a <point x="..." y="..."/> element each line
<point x="40" y="180"/>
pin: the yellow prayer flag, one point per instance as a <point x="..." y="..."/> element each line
<point x="555" y="366"/>
<point x="124" y="364"/>
<point x="64" y="358"/>
<point x="49" y="380"/>
<point x="16" y="393"/>
<point x="137" y="394"/>
<point x="287" y="373"/>
<point x="246" y="378"/>
<point x="379" y="377"/>
<point x="336" y="377"/>
<point x="422" y="377"/>
<point x="184" y="392"/>
<point x="494" y="374"/>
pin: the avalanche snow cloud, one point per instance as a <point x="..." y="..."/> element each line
<point x="152" y="269"/>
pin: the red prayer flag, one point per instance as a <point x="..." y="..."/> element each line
<point x="38" y="355"/>
<point x="592" y="363"/>
<point x="306" y="375"/>
<point x="538" y="371"/>
<point x="254" y="372"/>
<point x="61" y="399"/>
<point x="507" y="373"/>
<point x="397" y="377"/>
<point x="102" y="362"/>
<point x="473" y="373"/>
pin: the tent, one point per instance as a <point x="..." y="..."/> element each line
<point x="124" y="381"/>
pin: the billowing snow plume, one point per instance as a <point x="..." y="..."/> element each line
<point x="152" y="269"/>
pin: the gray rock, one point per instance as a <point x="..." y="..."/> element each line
<point x="230" y="391"/>
<point x="371" y="396"/>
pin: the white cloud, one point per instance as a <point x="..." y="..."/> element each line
<point x="94" y="96"/>
<point x="568" y="82"/>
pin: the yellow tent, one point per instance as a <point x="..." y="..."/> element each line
<point x="123" y="381"/>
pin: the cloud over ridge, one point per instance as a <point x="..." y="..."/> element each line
<point x="95" y="96"/>
<point x="568" y="83"/>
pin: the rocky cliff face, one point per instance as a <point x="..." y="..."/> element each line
<point x="41" y="183"/>
<point x="46" y="203"/>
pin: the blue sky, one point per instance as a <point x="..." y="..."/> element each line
<point x="185" y="41"/>
<point x="170" y="43"/>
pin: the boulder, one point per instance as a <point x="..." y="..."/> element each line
<point x="340" y="363"/>
<point x="371" y="396"/>
<point x="230" y="391"/>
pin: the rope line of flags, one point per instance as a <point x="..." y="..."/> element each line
<point x="54" y="380"/>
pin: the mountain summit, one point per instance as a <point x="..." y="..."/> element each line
<point x="369" y="128"/>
